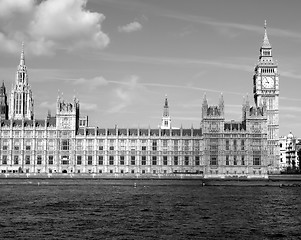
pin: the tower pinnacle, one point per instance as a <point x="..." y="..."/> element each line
<point x="266" y="43"/>
<point x="166" y="108"/>
<point x="166" y="120"/>
<point x="22" y="59"/>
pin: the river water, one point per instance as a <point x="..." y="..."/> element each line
<point x="147" y="210"/>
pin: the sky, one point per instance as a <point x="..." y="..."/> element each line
<point x="120" y="58"/>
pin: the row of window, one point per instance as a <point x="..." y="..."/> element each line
<point x="214" y="160"/>
<point x="111" y="161"/>
<point x="66" y="147"/>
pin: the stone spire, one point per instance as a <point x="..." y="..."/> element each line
<point x="3" y="102"/>
<point x="204" y="106"/>
<point x="221" y="105"/>
<point x="166" y="120"/>
<point x="22" y="58"/>
<point x="266" y="43"/>
<point x="166" y="108"/>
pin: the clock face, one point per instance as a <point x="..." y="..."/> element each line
<point x="267" y="82"/>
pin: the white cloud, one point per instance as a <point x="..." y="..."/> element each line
<point x="49" y="26"/>
<point x="92" y="82"/>
<point x="124" y="95"/>
<point x="131" y="27"/>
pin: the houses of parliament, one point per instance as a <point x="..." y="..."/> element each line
<point x="66" y="143"/>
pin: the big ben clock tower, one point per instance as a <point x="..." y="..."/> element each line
<point x="266" y="93"/>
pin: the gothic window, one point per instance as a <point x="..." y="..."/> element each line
<point x="79" y="145"/>
<point x="17" y="133"/>
<point x="165" y="143"/>
<point x="16" y="160"/>
<point x="227" y="145"/>
<point x="235" y="144"/>
<point x="90" y="144"/>
<point x="100" y="160"/>
<point x="186" y="162"/>
<point x="65" y="145"/>
<point x="176" y="160"/>
<point x="132" y="160"/>
<point x="4" y="159"/>
<point x="242" y="144"/>
<point x="154" y="160"/>
<point x="39" y="159"/>
<point x="65" y="160"/>
<point x="213" y="160"/>
<point x="111" y="160"/>
<point x="51" y="144"/>
<point x="154" y="145"/>
<point x="50" y="160"/>
<point x="16" y="145"/>
<point x="89" y="160"/>
<point x="40" y="144"/>
<point x="164" y="160"/>
<point x="256" y="160"/>
<point x="121" y="160"/>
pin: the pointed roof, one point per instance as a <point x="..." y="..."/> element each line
<point x="247" y="100"/>
<point x="22" y="58"/>
<point x="205" y="99"/>
<point x="2" y="89"/>
<point x="166" y="101"/>
<point x="166" y="108"/>
<point x="266" y="43"/>
<point x="221" y="100"/>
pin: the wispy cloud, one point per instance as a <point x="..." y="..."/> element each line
<point x="134" y="82"/>
<point x="124" y="95"/>
<point x="131" y="27"/>
<point x="160" y="60"/>
<point x="230" y="25"/>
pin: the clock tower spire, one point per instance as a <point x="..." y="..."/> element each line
<point x="266" y="92"/>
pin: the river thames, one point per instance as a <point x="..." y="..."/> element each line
<point x="147" y="210"/>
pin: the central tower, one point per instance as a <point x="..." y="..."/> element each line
<point x="266" y="92"/>
<point x="21" y="101"/>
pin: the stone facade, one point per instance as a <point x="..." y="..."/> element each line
<point x="288" y="152"/>
<point x="65" y="143"/>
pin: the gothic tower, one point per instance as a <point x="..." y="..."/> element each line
<point x="3" y="103"/>
<point x="266" y="93"/>
<point x="21" y="101"/>
<point x="67" y="114"/>
<point x="166" y="120"/>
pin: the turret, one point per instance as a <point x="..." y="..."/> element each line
<point x="3" y="103"/>
<point x="166" y="120"/>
